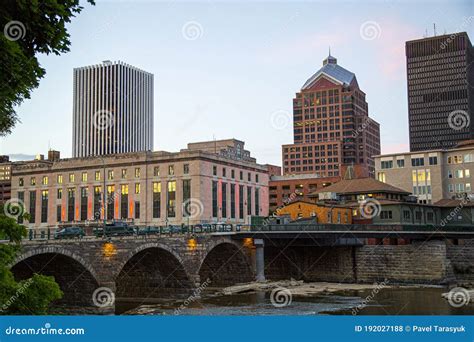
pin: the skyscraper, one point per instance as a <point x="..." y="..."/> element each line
<point x="332" y="128"/>
<point x="440" y="79"/>
<point x="112" y="110"/>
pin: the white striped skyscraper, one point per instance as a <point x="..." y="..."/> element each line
<point x="112" y="109"/>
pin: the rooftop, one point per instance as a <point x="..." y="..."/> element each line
<point x="332" y="70"/>
<point x="360" y="186"/>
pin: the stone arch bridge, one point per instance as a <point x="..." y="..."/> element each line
<point x="146" y="268"/>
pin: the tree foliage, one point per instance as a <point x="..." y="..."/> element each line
<point x="27" y="297"/>
<point x="29" y="28"/>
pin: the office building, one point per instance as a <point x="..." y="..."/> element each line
<point x="440" y="77"/>
<point x="112" y="110"/>
<point x="331" y="125"/>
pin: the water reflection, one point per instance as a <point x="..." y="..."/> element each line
<point x="397" y="301"/>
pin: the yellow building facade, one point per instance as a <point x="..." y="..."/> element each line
<point x="323" y="214"/>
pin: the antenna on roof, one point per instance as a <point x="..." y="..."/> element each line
<point x="329" y="50"/>
<point x="426" y="34"/>
<point x="434" y="29"/>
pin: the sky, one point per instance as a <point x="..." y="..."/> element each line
<point x="231" y="69"/>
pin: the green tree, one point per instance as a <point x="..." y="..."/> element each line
<point x="30" y="296"/>
<point x="29" y="27"/>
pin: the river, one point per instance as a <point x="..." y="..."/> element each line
<point x="388" y="301"/>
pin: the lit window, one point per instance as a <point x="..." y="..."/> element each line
<point x="124" y="173"/>
<point x="71" y="177"/>
<point x="45" y="180"/>
<point x="171" y="170"/>
<point x="33" y="181"/>
<point x="124" y="189"/>
<point x="20" y="182"/>
<point x="137" y="188"/>
<point x="156" y="171"/>
<point x="137" y="172"/>
<point x="60" y="179"/>
<point x="97" y="175"/>
<point x="110" y="174"/>
<point x="84" y="176"/>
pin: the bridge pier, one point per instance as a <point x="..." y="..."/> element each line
<point x="259" y="259"/>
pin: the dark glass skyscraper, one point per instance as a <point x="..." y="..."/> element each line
<point x="440" y="78"/>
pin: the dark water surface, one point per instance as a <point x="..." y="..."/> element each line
<point x="388" y="301"/>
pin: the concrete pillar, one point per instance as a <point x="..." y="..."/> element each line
<point x="259" y="259"/>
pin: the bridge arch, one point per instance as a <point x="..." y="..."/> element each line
<point x="74" y="275"/>
<point x="225" y="263"/>
<point x="151" y="271"/>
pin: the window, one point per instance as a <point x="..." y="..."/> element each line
<point x="156" y="171"/>
<point x="20" y="182"/>
<point x="124" y="173"/>
<point x="257" y="201"/>
<point x="97" y="202"/>
<point x="468" y="158"/>
<point x="467" y="173"/>
<point x="459" y="173"/>
<point x="110" y="202"/>
<point x="451" y="188"/>
<point x="21" y="198"/>
<point x="232" y="173"/>
<point x="386" y="215"/>
<point x="249" y="200"/>
<point x="44" y="181"/>
<point x="214" y="170"/>
<point x="137" y="210"/>
<point x="468" y="187"/>
<point x="60" y="179"/>
<point x="59" y="194"/>
<point x="386" y="164"/>
<point x="186" y="169"/>
<point x="418" y="215"/>
<point x="137" y="172"/>
<point x="381" y="177"/>
<point x="44" y="206"/>
<point x="110" y="175"/>
<point x="417" y="162"/>
<point x="430" y="216"/>
<point x="171" y="203"/>
<point x="33" y="181"/>
<point x="71" y="200"/>
<point x="241" y="175"/>
<point x="84" y="176"/>
<point x="224" y="172"/>
<point x="97" y="175"/>
<point x="171" y="170"/>
<point x="214" y="199"/>
<point x="137" y="188"/>
<point x="124" y="201"/>
<point x="156" y="199"/>
<point x="232" y="200"/>
<point x="400" y="163"/>
<point x="241" y="202"/>
<point x="450" y="174"/>
<point x="58" y="213"/>
<point x="256" y="178"/>
<point x="249" y="177"/>
<point x="406" y="215"/>
<point x="433" y="160"/>
<point x="84" y="196"/>
<point x="188" y="210"/>
<point x="224" y="199"/>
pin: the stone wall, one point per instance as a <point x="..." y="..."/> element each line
<point x="461" y="258"/>
<point x="419" y="262"/>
